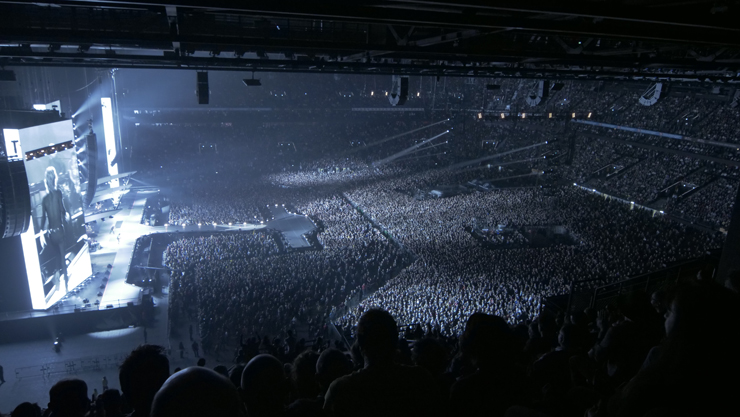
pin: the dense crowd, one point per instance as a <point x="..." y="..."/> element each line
<point x="240" y="284"/>
<point x="455" y="276"/>
<point x="669" y="353"/>
<point x="712" y="205"/>
<point x="645" y="180"/>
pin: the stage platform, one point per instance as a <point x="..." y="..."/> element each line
<point x="127" y="228"/>
<point x="292" y="226"/>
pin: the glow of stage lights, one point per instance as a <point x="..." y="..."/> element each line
<point x="183" y="225"/>
<point x="33" y="269"/>
<point x="199" y="224"/>
<point x="39" y="106"/>
<point x="110" y="139"/>
<point x="502" y="115"/>
<point x="480" y="115"/>
<point x="589" y="115"/>
<point x="574" y="115"/>
<point x="215" y="224"/>
<point x="371" y="93"/>
<point x="417" y="94"/>
<point x="166" y="225"/>
<point x="386" y="93"/>
<point x="550" y="116"/>
<point x="229" y="223"/>
<point x="524" y="115"/>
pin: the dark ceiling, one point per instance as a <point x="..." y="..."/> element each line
<point x="648" y="39"/>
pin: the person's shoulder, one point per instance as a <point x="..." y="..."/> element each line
<point x="347" y="380"/>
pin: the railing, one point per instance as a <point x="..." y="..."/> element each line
<point x="582" y="294"/>
<point x="66" y="309"/>
<point x="70" y="367"/>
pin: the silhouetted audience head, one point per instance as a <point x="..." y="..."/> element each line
<point x="68" y="398"/>
<point x="197" y="392"/>
<point x="331" y="365"/>
<point x="303" y="374"/>
<point x="732" y="282"/>
<point x="566" y="336"/>
<point x="697" y="364"/>
<point x="377" y="335"/>
<point x="430" y="355"/>
<point x="702" y="314"/>
<point x="264" y="386"/>
<point x="658" y="301"/>
<point x="26" y="410"/>
<point x="201" y="362"/>
<point x="222" y="370"/>
<point x="141" y="375"/>
<point x="486" y="339"/>
<point x="235" y="374"/>
<point x="112" y="402"/>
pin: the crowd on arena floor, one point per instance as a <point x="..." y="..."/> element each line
<point x="232" y="283"/>
<point x="454" y="276"/>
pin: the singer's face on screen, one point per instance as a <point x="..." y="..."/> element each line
<point x="51" y="179"/>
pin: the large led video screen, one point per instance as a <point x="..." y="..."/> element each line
<point x="55" y="251"/>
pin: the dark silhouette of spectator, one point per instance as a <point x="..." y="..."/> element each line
<point x="221" y="370"/>
<point x="68" y="398"/>
<point x="695" y="368"/>
<point x="733" y="281"/>
<point x="112" y="402"/>
<point x="197" y="392"/>
<point x="433" y="356"/>
<point x="382" y="387"/>
<point x="26" y="410"/>
<point x="498" y="381"/>
<point x="332" y="364"/>
<point x="264" y="387"/>
<point x="303" y="375"/>
<point x="551" y="378"/>
<point x="627" y="330"/>
<point x="305" y="386"/>
<point x="141" y="375"/>
<point x="201" y="362"/>
<point x="195" y="349"/>
<point x="658" y="301"/>
<point x="235" y="374"/>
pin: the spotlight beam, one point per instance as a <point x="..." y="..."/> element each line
<point x="396" y="136"/>
<point x="511" y="177"/>
<point x="417" y="157"/>
<point x="489" y="157"/>
<point x="502" y="164"/>
<point x="408" y="150"/>
<point x="430" y="147"/>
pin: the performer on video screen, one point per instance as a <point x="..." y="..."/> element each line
<point x="55" y="214"/>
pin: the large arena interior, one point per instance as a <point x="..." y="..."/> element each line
<point x="391" y="208"/>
